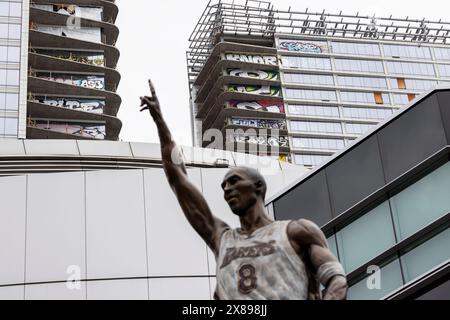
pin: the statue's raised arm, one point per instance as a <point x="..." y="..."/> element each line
<point x="190" y="198"/>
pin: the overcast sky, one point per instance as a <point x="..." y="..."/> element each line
<point x="154" y="37"/>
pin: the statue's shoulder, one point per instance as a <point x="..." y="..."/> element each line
<point x="302" y="229"/>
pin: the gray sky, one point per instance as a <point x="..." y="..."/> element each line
<point x="154" y="37"/>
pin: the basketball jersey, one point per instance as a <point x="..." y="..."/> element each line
<point x="260" y="266"/>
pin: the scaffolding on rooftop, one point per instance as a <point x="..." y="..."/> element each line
<point x="259" y="19"/>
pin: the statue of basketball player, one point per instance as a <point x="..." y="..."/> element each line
<point x="262" y="259"/>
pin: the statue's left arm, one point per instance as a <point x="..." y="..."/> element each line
<point x="307" y="239"/>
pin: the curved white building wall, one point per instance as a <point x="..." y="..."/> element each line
<point x="123" y="230"/>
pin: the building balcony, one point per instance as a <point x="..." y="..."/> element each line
<point x="110" y="9"/>
<point x="38" y="62"/>
<point x="109" y="31"/>
<point x="40" y="39"/>
<point x="42" y="87"/>
<point x="38" y="110"/>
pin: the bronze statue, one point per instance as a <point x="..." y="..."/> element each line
<point x="263" y="259"/>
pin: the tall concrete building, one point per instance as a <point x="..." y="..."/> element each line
<point x="303" y="85"/>
<point x="59" y="77"/>
<point x="13" y="70"/>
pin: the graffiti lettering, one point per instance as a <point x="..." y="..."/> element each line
<point x="97" y="131"/>
<point x="298" y="46"/>
<point x="262" y="140"/>
<point x="92" y="82"/>
<point x="91" y="105"/>
<point x="261" y="90"/>
<point x="256" y="74"/>
<point x="260" y="123"/>
<point x="269" y="60"/>
<point x="98" y="84"/>
<point x="268" y="106"/>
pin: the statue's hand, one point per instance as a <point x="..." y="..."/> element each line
<point x="151" y="103"/>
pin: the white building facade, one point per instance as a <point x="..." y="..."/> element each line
<point x="102" y="214"/>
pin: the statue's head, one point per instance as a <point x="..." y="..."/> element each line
<point x="243" y="187"/>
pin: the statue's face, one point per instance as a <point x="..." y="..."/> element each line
<point x="240" y="191"/>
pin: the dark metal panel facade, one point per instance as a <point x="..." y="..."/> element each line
<point x="441" y="292"/>
<point x="355" y="176"/>
<point x="444" y="104"/>
<point x="412" y="138"/>
<point x="309" y="201"/>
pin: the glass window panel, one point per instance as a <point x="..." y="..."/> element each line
<point x="410" y="68"/>
<point x="407" y="51"/>
<point x="318" y="143"/>
<point x="427" y="256"/>
<point x="442" y="53"/>
<point x="4" y="8"/>
<point x="321" y="95"/>
<point x="422" y="203"/>
<point x="390" y="277"/>
<point x="359" y="65"/>
<point x="2" y="126"/>
<point x="3" y="53"/>
<point x="12" y="101"/>
<point x="10" y="126"/>
<point x="307" y="63"/>
<point x="14" y="31"/>
<point x="400" y="99"/>
<point x="2" y="101"/>
<point x="313" y="126"/>
<point x="356" y="48"/>
<point x="310" y="160"/>
<point x="358" y="128"/>
<point x="15" y="9"/>
<point x="3" y="30"/>
<point x="366" y="113"/>
<point x="13" y="54"/>
<point x="360" y="241"/>
<point x="13" y="77"/>
<point x="308" y="79"/>
<point x="2" y="77"/>
<point x="444" y="70"/>
<point x="362" y="82"/>
<point x="413" y="84"/>
<point x="307" y="110"/>
<point x="365" y="97"/>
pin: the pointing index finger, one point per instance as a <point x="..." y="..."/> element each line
<point x="152" y="88"/>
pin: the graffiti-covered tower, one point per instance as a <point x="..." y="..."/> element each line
<point x="236" y="98"/>
<point x="72" y="76"/>
<point x="301" y="85"/>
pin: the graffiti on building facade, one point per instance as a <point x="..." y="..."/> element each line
<point x="254" y="74"/>
<point x="91" y="82"/>
<point x="260" y="90"/>
<point x="268" y="60"/>
<point x="259" y="123"/>
<point x="271" y="141"/>
<point x="302" y="46"/>
<point x="89" y="130"/>
<point x="268" y="106"/>
<point x="86" y="105"/>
